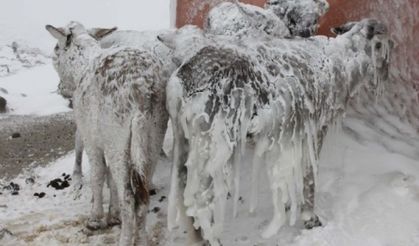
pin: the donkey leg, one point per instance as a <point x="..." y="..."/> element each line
<point x="77" y="171"/>
<point x="279" y="217"/>
<point x="310" y="219"/>
<point x="120" y="170"/>
<point x="176" y="206"/>
<point x="97" y="178"/>
<point x="114" y="211"/>
<point x="142" y="198"/>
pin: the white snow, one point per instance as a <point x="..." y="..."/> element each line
<point x="367" y="195"/>
<point x="33" y="91"/>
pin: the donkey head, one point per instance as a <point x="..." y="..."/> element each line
<point x="72" y="41"/>
<point x="371" y="36"/>
<point x="300" y="16"/>
<point x="184" y="42"/>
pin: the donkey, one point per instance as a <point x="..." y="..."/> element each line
<point x="279" y="18"/>
<point x="111" y="37"/>
<point x="286" y="93"/>
<point x="119" y="106"/>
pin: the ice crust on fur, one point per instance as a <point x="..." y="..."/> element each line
<point x="286" y="93"/>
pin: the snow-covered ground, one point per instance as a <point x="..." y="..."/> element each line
<point x="368" y="195"/>
<point x="33" y="91"/>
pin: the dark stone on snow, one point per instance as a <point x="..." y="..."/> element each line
<point x="59" y="184"/>
<point x="65" y="184"/>
<point x="152" y="192"/>
<point x="3" y="105"/>
<point x="162" y="198"/>
<point x="155" y="210"/>
<point x="312" y="223"/>
<point x="12" y="187"/>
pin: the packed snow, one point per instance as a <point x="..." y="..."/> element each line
<point x="367" y="195"/>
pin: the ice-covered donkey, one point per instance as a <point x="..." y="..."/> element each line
<point x="112" y="38"/>
<point x="286" y="93"/>
<point x="279" y="18"/>
<point x="119" y="105"/>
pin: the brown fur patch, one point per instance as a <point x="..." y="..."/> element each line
<point x="139" y="188"/>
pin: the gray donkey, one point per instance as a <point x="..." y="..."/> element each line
<point x="286" y="93"/>
<point x="279" y="18"/>
<point x="119" y="106"/>
<point x="112" y="38"/>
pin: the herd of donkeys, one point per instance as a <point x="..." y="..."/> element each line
<point x="251" y="74"/>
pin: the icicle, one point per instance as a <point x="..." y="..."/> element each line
<point x="312" y="146"/>
<point x="236" y="165"/>
<point x="260" y="147"/>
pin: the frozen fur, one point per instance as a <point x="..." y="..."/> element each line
<point x="286" y="93"/>
<point x="108" y="38"/>
<point x="300" y="16"/>
<point x="279" y="18"/>
<point x="119" y="105"/>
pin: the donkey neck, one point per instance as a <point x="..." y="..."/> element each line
<point x="349" y="54"/>
<point x="82" y="55"/>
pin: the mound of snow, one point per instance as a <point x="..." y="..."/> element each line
<point x="17" y="56"/>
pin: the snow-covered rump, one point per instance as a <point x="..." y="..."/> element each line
<point x="279" y="18"/>
<point x="119" y="104"/>
<point x="286" y="94"/>
<point x="238" y="19"/>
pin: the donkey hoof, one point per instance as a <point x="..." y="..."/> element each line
<point x="314" y="221"/>
<point x="95" y="225"/>
<point x="113" y="221"/>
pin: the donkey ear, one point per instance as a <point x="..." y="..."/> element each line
<point x="57" y="33"/>
<point x="168" y="39"/>
<point x="343" y="28"/>
<point x="99" y="33"/>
